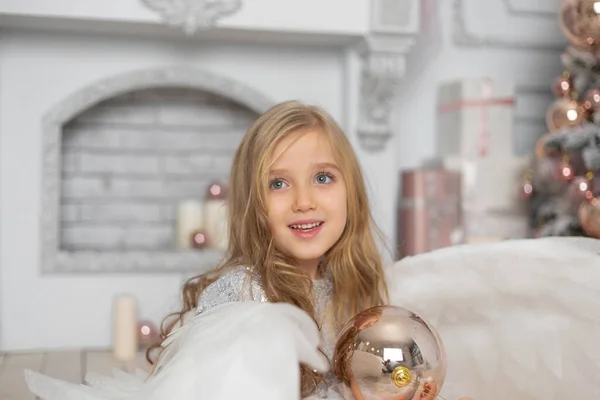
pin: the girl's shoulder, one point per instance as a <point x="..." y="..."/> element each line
<point x="234" y="284"/>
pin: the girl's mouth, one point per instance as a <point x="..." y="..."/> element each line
<point x="306" y="231"/>
<point x="306" y="227"/>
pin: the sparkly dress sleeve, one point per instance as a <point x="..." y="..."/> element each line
<point x="235" y="285"/>
<point x="236" y="346"/>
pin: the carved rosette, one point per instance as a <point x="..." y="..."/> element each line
<point x="382" y="74"/>
<point x="193" y="15"/>
<point x="394" y="24"/>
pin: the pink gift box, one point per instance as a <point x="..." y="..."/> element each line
<point x="429" y="210"/>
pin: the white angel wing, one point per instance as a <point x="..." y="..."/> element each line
<point x="519" y="319"/>
<point x="245" y="350"/>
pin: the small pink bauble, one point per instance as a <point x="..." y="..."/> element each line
<point x="199" y="239"/>
<point x="148" y="333"/>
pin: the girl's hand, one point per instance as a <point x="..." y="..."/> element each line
<point x="427" y="391"/>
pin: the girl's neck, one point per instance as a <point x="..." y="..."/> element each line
<point x="311" y="268"/>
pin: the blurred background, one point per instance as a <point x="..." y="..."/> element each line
<point x="474" y="122"/>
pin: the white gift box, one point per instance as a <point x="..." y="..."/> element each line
<point x="475" y="118"/>
<point x="491" y="205"/>
<point x="475" y="135"/>
<point x="488" y="185"/>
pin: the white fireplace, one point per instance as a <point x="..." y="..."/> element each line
<point x="109" y="115"/>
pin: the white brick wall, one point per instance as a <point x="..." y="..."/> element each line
<point x="127" y="162"/>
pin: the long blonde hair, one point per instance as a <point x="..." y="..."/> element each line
<point x="353" y="263"/>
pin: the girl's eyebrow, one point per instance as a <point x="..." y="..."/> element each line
<point x="283" y="171"/>
<point x="327" y="165"/>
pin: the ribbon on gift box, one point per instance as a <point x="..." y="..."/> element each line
<point x="486" y="101"/>
<point x="468" y="167"/>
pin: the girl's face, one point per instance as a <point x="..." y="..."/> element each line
<point x="307" y="198"/>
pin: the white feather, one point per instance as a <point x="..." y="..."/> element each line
<point x="246" y="350"/>
<point x="519" y="319"/>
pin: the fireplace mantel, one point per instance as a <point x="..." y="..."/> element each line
<point x="346" y="56"/>
<point x="383" y="31"/>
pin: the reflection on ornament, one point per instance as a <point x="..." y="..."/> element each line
<point x="527" y="190"/>
<point x="580" y="190"/>
<point x="562" y="86"/>
<point x="565" y="113"/>
<point x="592" y="99"/>
<point x="566" y="170"/>
<point x="389" y="352"/>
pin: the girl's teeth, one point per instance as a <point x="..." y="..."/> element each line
<point x="306" y="226"/>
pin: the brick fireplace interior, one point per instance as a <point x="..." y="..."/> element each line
<point x="128" y="161"/>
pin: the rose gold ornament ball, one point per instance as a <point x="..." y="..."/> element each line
<point x="580" y="23"/>
<point x="389" y="352"/>
<point x="148" y="333"/>
<point x="589" y="217"/>
<point x="565" y="113"/>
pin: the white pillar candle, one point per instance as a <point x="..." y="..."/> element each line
<point x="189" y="219"/>
<point x="215" y="212"/>
<point x="125" y="340"/>
<point x="215" y="216"/>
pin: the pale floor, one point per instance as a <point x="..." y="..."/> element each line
<point x="70" y="366"/>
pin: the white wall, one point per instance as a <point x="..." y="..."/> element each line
<point x="58" y="311"/>
<point x="437" y="58"/>
<point x="71" y="311"/>
<point x="315" y="16"/>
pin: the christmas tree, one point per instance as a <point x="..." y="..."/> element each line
<point x="563" y="184"/>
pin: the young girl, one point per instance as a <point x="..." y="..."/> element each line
<point x="300" y="227"/>
<point x="300" y="233"/>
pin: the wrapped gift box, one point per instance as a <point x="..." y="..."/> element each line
<point x="429" y="211"/>
<point x="475" y="138"/>
<point x="476" y="118"/>
<point x="490" y="201"/>
<point x="488" y="185"/>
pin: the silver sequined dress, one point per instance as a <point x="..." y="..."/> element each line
<point x="239" y="284"/>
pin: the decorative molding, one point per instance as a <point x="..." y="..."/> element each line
<point x="383" y="70"/>
<point x="56" y="260"/>
<point x="463" y="36"/>
<point x="193" y="15"/>
<point x="394" y="16"/>
<point x="515" y="7"/>
<point x="394" y="26"/>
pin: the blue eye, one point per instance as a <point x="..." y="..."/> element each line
<point x="324" y="178"/>
<point x="277" y="184"/>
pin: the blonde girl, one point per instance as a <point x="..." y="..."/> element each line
<point x="300" y="228"/>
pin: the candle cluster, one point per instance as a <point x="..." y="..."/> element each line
<point x="202" y="224"/>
